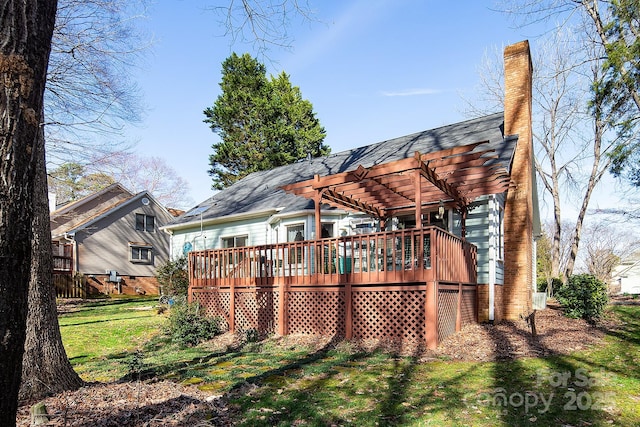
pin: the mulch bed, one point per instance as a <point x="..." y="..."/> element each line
<point x="165" y="403"/>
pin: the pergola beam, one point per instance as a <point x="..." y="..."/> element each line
<point x="457" y="175"/>
<point x="352" y="203"/>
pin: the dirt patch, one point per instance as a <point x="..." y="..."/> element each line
<point x="165" y="403"/>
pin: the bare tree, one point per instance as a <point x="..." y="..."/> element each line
<point x="264" y="23"/>
<point x="95" y="43"/>
<point x="573" y="132"/>
<point x="605" y="246"/>
<point x="45" y="368"/>
<point x="26" y="28"/>
<point x="138" y="173"/>
<point x="611" y="28"/>
<point x="87" y="91"/>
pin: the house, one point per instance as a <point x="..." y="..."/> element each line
<point x="408" y="238"/>
<point x="625" y="278"/>
<point x="114" y="238"/>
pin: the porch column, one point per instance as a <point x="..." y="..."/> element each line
<point x="418" y="244"/>
<point x="317" y="201"/>
<point x="283" y="309"/>
<point x="418" y="190"/>
<point x="463" y="222"/>
<point x="431" y="315"/>
<point x="232" y="305"/>
<point x="459" y="309"/>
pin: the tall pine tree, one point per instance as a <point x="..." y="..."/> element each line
<point x="620" y="87"/>
<point x="262" y="122"/>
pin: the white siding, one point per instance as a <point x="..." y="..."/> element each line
<point x="260" y="231"/>
<point x="482" y="230"/>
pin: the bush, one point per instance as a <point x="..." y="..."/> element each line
<point x="173" y="276"/>
<point x="583" y="296"/>
<point x="187" y="325"/>
<point x="542" y="285"/>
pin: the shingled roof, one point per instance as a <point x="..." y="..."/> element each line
<point x="261" y="191"/>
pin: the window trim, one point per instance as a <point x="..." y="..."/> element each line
<point x="140" y="246"/>
<point x="296" y="255"/>
<point x="146" y="223"/>
<point x="234" y="237"/>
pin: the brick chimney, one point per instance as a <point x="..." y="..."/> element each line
<point x="518" y="219"/>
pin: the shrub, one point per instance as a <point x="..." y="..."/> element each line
<point x="173" y="276"/>
<point x="188" y="326"/>
<point x="542" y="285"/>
<point x="583" y="296"/>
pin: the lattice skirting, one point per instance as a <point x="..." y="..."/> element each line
<point x="447" y="312"/>
<point x="469" y="307"/>
<point x="389" y="315"/>
<point x="317" y="312"/>
<point x="257" y="310"/>
<point x="215" y="304"/>
<point x="376" y="313"/>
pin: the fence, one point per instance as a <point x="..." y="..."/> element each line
<point x="67" y="285"/>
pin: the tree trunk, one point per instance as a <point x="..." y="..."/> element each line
<point x="597" y="171"/>
<point x="26" y="27"/>
<point x="45" y="366"/>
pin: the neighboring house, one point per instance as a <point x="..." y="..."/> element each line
<point x="625" y="278"/>
<point x="116" y="241"/>
<point x="474" y="179"/>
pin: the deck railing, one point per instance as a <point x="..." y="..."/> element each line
<point x="403" y="256"/>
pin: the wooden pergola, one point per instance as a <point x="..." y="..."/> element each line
<point x="453" y="177"/>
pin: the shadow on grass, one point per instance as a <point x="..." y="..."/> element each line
<point x="134" y="315"/>
<point x="554" y="390"/>
<point x="333" y="385"/>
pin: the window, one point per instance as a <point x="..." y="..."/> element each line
<point x="295" y="233"/>
<point x="235" y="257"/>
<point x="140" y="253"/>
<point x="327" y="230"/>
<point x="234" y="242"/>
<point x="145" y="222"/>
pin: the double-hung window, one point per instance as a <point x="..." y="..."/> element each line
<point x="145" y="223"/>
<point x="140" y="253"/>
<point x="295" y="233"/>
<point x="235" y="257"/>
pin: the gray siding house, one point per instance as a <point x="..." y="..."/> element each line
<point x="116" y="239"/>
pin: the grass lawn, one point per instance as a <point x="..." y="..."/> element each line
<point x="268" y="384"/>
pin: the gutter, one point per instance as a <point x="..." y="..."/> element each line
<point x="218" y="220"/>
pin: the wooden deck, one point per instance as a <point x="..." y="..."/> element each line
<point x="412" y="285"/>
<point x="407" y="256"/>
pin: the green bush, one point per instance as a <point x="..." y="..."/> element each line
<point x="542" y="285"/>
<point x="173" y="277"/>
<point x="187" y="325"/>
<point x="583" y="296"/>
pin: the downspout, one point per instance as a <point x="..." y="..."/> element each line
<point x="204" y="239"/>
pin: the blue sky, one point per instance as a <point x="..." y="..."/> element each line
<point x="373" y="70"/>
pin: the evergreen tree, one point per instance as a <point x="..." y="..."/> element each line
<point x="620" y="87"/>
<point x="262" y="122"/>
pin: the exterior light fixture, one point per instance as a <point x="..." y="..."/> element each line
<point x="440" y="210"/>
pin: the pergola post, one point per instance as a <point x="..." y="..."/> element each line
<point x="418" y="194"/>
<point x="463" y="222"/>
